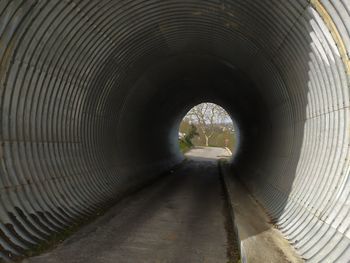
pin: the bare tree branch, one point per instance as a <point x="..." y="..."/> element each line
<point x="205" y="116"/>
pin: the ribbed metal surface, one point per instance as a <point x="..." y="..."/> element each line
<point x="77" y="88"/>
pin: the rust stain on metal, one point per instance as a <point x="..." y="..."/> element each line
<point x="322" y="11"/>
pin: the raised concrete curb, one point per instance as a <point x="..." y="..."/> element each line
<point x="228" y="196"/>
<point x="259" y="240"/>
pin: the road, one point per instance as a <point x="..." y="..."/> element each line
<point x="180" y="218"/>
<point x="207" y="154"/>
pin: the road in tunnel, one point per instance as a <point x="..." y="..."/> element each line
<point x="93" y="91"/>
<point x="179" y="218"/>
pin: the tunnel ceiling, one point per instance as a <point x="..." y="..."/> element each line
<point x="92" y="93"/>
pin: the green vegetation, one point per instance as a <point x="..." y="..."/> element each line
<point x="184" y="147"/>
<point x="222" y="136"/>
<point x="186" y="142"/>
<point x="207" y="124"/>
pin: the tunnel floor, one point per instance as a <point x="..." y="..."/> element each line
<point x="180" y="218"/>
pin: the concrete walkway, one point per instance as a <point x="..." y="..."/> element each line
<point x="260" y="240"/>
<point x="180" y="218"/>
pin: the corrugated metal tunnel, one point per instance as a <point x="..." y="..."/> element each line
<point x="92" y="93"/>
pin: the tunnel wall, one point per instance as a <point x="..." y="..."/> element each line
<point x="92" y="93"/>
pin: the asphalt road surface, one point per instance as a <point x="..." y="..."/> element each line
<point x="180" y="218"/>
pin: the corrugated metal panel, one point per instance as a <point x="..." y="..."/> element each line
<point x="66" y="69"/>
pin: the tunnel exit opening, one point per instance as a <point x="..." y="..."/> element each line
<point x="208" y="129"/>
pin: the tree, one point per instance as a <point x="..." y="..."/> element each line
<point x="191" y="134"/>
<point x="205" y="116"/>
<point x="189" y="131"/>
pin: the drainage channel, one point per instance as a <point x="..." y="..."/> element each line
<point x="233" y="243"/>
